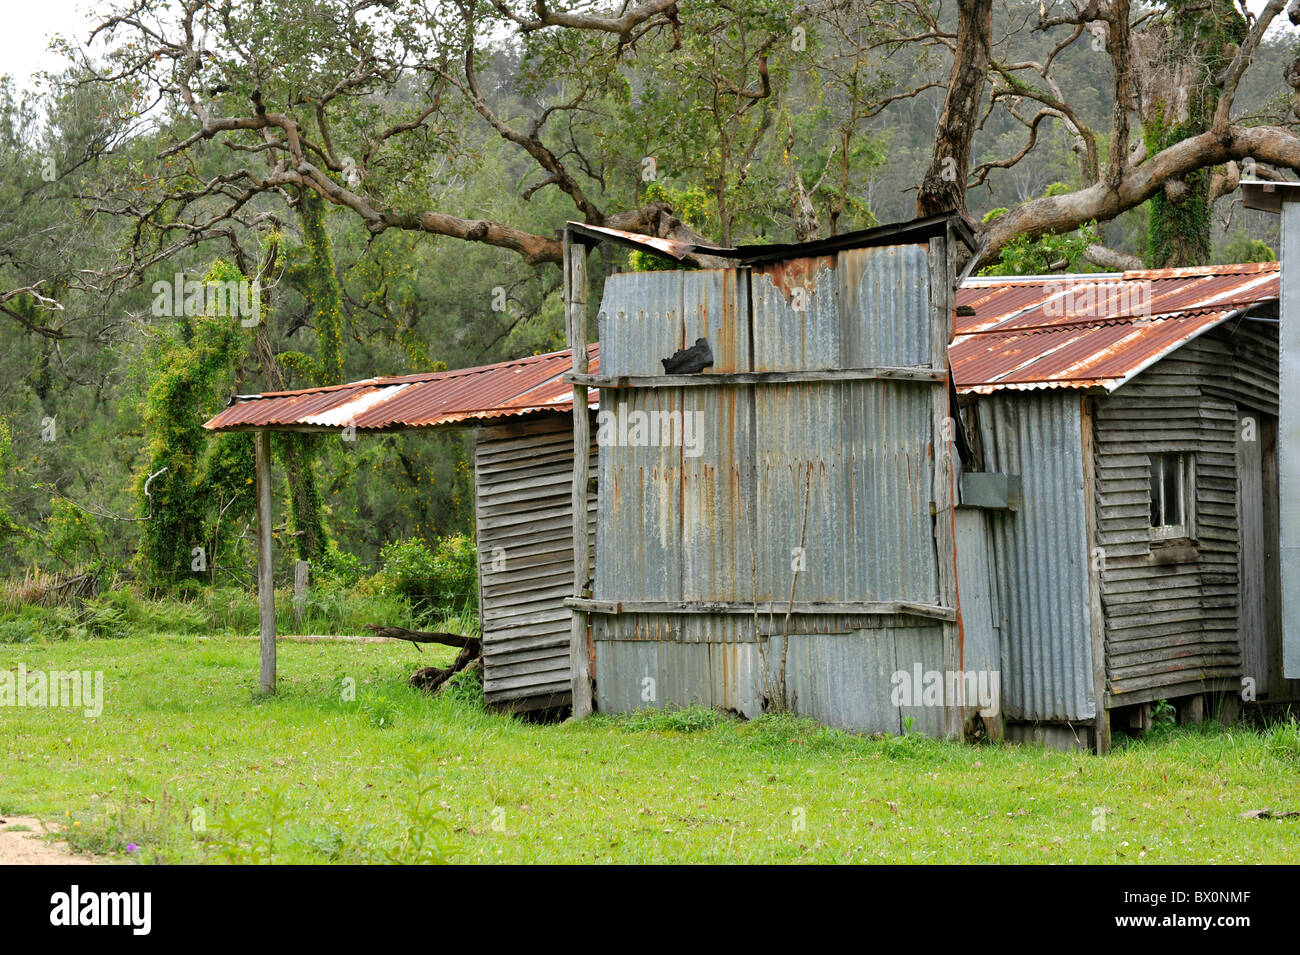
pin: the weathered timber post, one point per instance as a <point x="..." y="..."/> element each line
<point x="575" y="311"/>
<point x="265" y="584"/>
<point x="301" y="576"/>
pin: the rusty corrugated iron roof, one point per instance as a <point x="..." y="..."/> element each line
<point x="1025" y="333"/>
<point x="510" y="388"/>
<point x="1089" y="331"/>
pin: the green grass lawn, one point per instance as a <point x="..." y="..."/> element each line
<point x="188" y="765"/>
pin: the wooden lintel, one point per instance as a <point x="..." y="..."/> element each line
<point x="778" y="608"/>
<point x="920" y="374"/>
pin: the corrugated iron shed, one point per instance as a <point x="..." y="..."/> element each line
<point x="508" y="389"/>
<point x="1092" y="331"/>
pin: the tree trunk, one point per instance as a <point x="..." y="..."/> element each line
<point x="1177" y="65"/>
<point x="944" y="186"/>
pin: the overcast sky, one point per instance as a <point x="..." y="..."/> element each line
<point x="29" y="24"/>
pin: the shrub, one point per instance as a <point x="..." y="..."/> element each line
<point x="17" y="631"/>
<point x="442" y="578"/>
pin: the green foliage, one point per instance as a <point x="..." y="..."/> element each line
<point x="640" y="261"/>
<point x="1284" y="740"/>
<point x="381" y="712"/>
<point x="1245" y="248"/>
<point x="246" y="835"/>
<point x="442" y="579"/>
<point x="337" y="568"/>
<point x="1049" y="253"/>
<point x="73" y="533"/>
<point x="674" y="719"/>
<point x="8" y="527"/>
<point x="323" y="292"/>
<point x="88" y="621"/>
<point x="188" y="386"/>
<point x="1180" y="228"/>
<point x="298" y="455"/>
<point x="465" y="688"/>
<point x="1164" y="716"/>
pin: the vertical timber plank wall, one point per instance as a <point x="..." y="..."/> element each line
<point x="523" y="477"/>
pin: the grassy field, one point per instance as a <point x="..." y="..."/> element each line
<point x="185" y="764"/>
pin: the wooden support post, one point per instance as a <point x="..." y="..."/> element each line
<point x="265" y="585"/>
<point x="301" y="575"/>
<point x="1096" y="564"/>
<point x="1191" y="709"/>
<point x="943" y="491"/>
<point x="575" y="311"/>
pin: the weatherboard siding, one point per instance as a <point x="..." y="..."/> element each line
<point x="523" y="472"/>
<point x="1173" y="611"/>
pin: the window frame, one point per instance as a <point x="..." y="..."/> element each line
<point x="1185" y="470"/>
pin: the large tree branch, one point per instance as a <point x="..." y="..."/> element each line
<point x="1231" y="76"/>
<point x="1102" y="201"/>
<point x="622" y="26"/>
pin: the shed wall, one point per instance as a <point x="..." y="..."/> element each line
<point x="833" y="477"/>
<point x="1173" y="611"/>
<point x="1041" y="555"/>
<point x="523" y="474"/>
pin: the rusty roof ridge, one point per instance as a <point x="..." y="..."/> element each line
<point x="1040" y="279"/>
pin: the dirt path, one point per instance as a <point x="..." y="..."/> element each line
<point x="21" y="844"/>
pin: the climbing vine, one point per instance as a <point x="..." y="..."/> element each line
<point x="312" y="272"/>
<point x="183" y="496"/>
<point x="1178" y="229"/>
<point x="321" y="287"/>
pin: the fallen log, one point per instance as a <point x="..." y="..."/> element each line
<point x="431" y="679"/>
<point x="423" y="636"/>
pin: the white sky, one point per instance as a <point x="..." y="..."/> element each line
<point x="29" y="24"/>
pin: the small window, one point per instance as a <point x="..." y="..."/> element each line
<point x="1170" y="480"/>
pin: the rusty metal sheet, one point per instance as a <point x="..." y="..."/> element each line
<point x="1092" y="331"/>
<point x="1041" y="556"/>
<point x="512" y="388"/>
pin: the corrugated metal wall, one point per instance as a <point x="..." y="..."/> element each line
<point x="843" y="469"/>
<point x="1041" y="554"/>
<point x="523" y="473"/>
